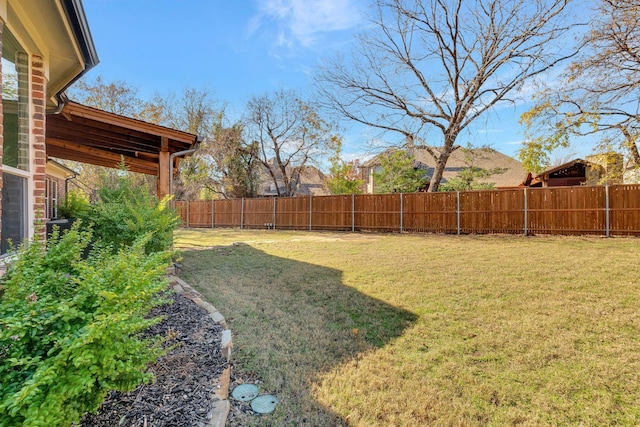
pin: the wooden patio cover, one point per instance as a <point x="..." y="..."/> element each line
<point x="89" y="135"/>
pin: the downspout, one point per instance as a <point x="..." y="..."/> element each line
<point x="66" y="184"/>
<point x="179" y="154"/>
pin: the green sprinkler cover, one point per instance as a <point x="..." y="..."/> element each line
<point x="264" y="404"/>
<point x="245" y="392"/>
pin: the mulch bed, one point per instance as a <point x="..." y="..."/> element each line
<point x="186" y="378"/>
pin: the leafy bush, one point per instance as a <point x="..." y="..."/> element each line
<point x="74" y="206"/>
<point x="126" y="212"/>
<point x="397" y="174"/>
<point x="69" y="328"/>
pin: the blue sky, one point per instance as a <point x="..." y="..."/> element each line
<point x="242" y="48"/>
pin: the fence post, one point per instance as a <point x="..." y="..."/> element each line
<point x="188" y="203"/>
<point x="213" y="213"/>
<point x="310" y="210"/>
<point x="401" y="224"/>
<point x="274" y="213"/>
<point x="458" y="212"/>
<point x="353" y="212"/>
<point x="607" y="211"/>
<point x="242" y="214"/>
<point x="526" y="219"/>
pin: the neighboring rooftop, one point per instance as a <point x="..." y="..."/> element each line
<point x="484" y="158"/>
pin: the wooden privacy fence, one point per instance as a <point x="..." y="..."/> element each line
<point x="600" y="210"/>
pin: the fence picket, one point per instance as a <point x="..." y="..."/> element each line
<point x="609" y="210"/>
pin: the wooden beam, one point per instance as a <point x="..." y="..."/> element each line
<point x="164" y="144"/>
<point x="81" y="153"/>
<point x="164" y="170"/>
<point x="67" y="130"/>
<point x="80" y="110"/>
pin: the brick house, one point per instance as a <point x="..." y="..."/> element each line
<point x="57" y="178"/>
<point x="46" y="46"/>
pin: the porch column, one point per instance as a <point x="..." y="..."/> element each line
<point x="164" y="169"/>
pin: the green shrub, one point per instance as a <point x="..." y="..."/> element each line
<point x="126" y="212"/>
<point x="74" y="206"/>
<point x="69" y="328"/>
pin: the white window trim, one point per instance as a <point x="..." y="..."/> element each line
<point x="53" y="194"/>
<point x="47" y="195"/>
<point x="28" y="174"/>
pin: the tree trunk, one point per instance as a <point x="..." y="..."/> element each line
<point x="631" y="145"/>
<point x="441" y="161"/>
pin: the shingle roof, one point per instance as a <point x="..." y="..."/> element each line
<point x="311" y="182"/>
<point x="484" y="158"/>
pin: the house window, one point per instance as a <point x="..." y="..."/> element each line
<point x="50" y="198"/>
<point x="15" y="148"/>
<point x="47" y="199"/>
<point x="53" y="192"/>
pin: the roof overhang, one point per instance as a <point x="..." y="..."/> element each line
<point x="58" y="31"/>
<point x="97" y="137"/>
<point x="545" y="174"/>
<point x="59" y="170"/>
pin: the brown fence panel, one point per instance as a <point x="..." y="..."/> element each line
<point x="429" y="212"/>
<point x="227" y="213"/>
<point x="566" y="210"/>
<point x="199" y="214"/>
<point x="492" y="211"/>
<point x="258" y="213"/>
<point x="331" y="213"/>
<point x="554" y="210"/>
<point x="377" y="212"/>
<point x="180" y="207"/>
<point x="624" y="210"/>
<point x="292" y="213"/>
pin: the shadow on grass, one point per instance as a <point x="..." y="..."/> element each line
<point x="291" y="322"/>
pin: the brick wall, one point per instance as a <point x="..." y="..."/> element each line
<point x="38" y="95"/>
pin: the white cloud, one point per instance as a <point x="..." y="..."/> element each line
<point x="302" y="22"/>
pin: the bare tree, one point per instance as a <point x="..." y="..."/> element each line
<point x="598" y="94"/>
<point x="441" y="64"/>
<point x="289" y="136"/>
<point x="116" y="97"/>
<point x="192" y="110"/>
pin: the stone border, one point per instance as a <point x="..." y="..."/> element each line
<point x="221" y="406"/>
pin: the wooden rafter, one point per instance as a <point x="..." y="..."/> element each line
<point x="97" y="137"/>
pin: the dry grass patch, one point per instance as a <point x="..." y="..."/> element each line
<point x="430" y="330"/>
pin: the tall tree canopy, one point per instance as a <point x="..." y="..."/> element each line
<point x="598" y="95"/>
<point x="224" y="165"/>
<point x="435" y="66"/>
<point x="289" y="135"/>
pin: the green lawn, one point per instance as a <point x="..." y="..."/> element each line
<point x="407" y="330"/>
